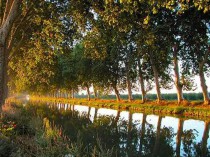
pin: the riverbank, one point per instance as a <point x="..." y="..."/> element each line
<point x="189" y="109"/>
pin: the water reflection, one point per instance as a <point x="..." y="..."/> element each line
<point x="132" y="134"/>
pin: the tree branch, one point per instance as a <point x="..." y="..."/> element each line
<point x="10" y="18"/>
<point x="7" y="10"/>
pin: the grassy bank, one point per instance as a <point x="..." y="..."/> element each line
<point x="34" y="131"/>
<point x="189" y="109"/>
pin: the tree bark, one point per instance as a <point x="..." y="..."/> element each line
<point x="116" y="93"/>
<point x="2" y="71"/>
<point x="141" y="80"/>
<point x="128" y="82"/>
<point x="177" y="77"/>
<point x="201" y="64"/>
<point x="10" y="13"/>
<point x="88" y="92"/>
<point x="72" y="93"/>
<point x="179" y="136"/>
<point x="155" y="72"/>
<point x="5" y="88"/>
<point x="95" y="92"/>
<point x="203" y="85"/>
<point x="157" y="85"/>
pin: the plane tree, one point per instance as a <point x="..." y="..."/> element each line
<point x="102" y="46"/>
<point x="8" y="16"/>
<point x="194" y="34"/>
<point x="35" y="48"/>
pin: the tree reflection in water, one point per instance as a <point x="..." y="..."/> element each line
<point x="126" y="137"/>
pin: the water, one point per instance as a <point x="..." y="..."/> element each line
<point x="133" y="134"/>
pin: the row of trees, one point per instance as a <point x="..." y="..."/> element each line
<point x="110" y="45"/>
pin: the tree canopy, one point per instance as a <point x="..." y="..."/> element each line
<point x="63" y="45"/>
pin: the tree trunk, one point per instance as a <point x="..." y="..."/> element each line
<point x="130" y="97"/>
<point x="141" y="80"/>
<point x="10" y="13"/>
<point x="205" y="139"/>
<point x="179" y="136"/>
<point x="128" y="82"/>
<point x="116" y="93"/>
<point x="154" y="69"/>
<point x="177" y="77"/>
<point x="95" y="92"/>
<point x="88" y="92"/>
<point x="5" y="88"/>
<point x="203" y="85"/>
<point x="142" y="134"/>
<point x="157" y="85"/>
<point x="72" y="93"/>
<point x="157" y="139"/>
<point x="2" y="72"/>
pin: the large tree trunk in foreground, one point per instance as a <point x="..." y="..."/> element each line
<point x="177" y="77"/>
<point x="179" y="136"/>
<point x="2" y="71"/>
<point x="141" y="81"/>
<point x="3" y="75"/>
<point x="10" y="13"/>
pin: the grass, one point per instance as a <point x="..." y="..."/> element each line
<point x="193" y="109"/>
<point x="28" y="131"/>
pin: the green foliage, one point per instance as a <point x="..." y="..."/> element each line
<point x="65" y="45"/>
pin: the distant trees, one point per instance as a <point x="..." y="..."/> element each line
<point x="111" y="45"/>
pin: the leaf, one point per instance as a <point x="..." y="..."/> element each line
<point x="154" y="10"/>
<point x="146" y="20"/>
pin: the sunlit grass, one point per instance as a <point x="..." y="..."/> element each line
<point x="192" y="108"/>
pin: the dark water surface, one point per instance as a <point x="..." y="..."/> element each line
<point x="132" y="134"/>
